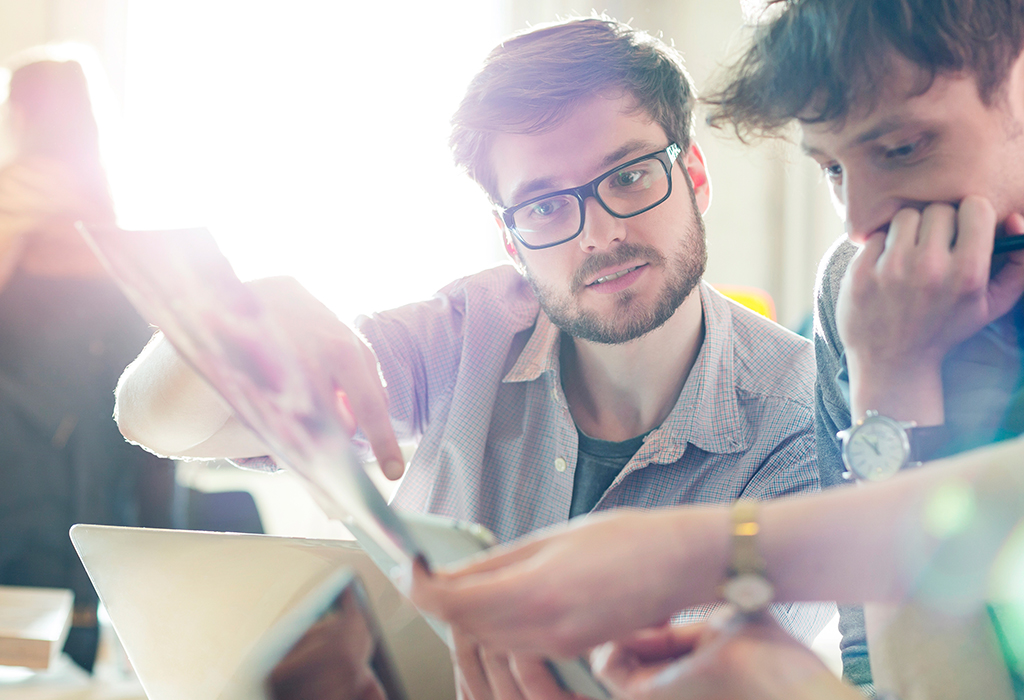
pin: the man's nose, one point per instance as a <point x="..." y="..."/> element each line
<point x="869" y="205"/>
<point x="601" y="230"/>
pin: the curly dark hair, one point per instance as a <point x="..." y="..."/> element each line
<point x="815" y="59"/>
<point x="534" y="80"/>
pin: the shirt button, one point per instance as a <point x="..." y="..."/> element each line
<point x="559" y="465"/>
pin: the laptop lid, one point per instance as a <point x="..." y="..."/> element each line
<point x="193" y="608"/>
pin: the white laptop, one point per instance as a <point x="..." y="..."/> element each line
<point x="201" y="614"/>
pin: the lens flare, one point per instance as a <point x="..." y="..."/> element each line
<point x="950" y="509"/>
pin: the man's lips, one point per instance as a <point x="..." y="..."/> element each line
<point x="612" y="276"/>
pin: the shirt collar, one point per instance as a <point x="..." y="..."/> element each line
<point x="540" y="354"/>
<point x="707" y="413"/>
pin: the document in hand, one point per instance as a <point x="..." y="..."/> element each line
<point x="180" y="282"/>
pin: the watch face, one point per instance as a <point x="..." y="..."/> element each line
<point x="748" y="592"/>
<point x="876" y="449"/>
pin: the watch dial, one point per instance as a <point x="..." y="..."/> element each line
<point x="749" y="592"/>
<point x="876" y="450"/>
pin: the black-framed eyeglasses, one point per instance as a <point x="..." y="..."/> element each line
<point x="626" y="190"/>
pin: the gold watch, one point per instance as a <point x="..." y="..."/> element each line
<point x="747" y="587"/>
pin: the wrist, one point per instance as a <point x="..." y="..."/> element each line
<point x="746" y="587"/>
<point x="700" y="549"/>
<point x="909" y="392"/>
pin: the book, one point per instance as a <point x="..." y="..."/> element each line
<point x="34" y="622"/>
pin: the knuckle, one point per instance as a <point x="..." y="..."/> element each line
<point x="972" y="280"/>
<point x="940" y="210"/>
<point x="906" y="219"/>
<point x="977" y="205"/>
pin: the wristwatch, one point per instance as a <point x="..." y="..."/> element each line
<point x="877" y="447"/>
<point x="747" y="587"/>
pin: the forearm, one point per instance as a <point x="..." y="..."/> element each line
<point x="163" y="405"/>
<point x="875" y="543"/>
<point x="881" y="542"/>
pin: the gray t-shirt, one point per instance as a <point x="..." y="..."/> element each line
<point x="597" y="465"/>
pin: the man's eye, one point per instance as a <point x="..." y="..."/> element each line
<point x="910" y="151"/>
<point x="833" y="171"/>
<point x="627" y="178"/>
<point x="545" y="208"/>
<point x="903" y="151"/>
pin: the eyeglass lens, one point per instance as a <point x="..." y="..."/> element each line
<point x="624" y="192"/>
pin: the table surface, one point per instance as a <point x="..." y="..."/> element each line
<point x="66" y="681"/>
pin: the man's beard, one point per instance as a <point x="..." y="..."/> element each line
<point x="683" y="271"/>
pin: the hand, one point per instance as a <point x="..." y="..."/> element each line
<point x="728" y="657"/>
<point x="566" y="590"/>
<point x="482" y="674"/>
<point x="33" y="190"/>
<point x="911" y="295"/>
<point x="332" y="353"/>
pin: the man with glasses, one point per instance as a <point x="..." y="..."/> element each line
<point x="602" y="372"/>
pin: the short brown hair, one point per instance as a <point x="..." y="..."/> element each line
<point x="815" y="59"/>
<point x="533" y="81"/>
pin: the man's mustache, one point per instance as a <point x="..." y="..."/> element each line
<point x="623" y="253"/>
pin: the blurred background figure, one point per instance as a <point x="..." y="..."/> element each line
<point x="66" y="333"/>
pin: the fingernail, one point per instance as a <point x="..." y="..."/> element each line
<point x="394" y="469"/>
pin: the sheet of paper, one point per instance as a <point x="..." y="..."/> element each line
<point x="180" y="282"/>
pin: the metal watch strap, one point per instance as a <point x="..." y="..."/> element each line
<point x="746" y="559"/>
<point x="747" y="588"/>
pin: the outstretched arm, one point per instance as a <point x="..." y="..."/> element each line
<point x="165" y="406"/>
<point x="569" y="589"/>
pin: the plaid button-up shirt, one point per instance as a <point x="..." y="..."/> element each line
<point x="473" y="374"/>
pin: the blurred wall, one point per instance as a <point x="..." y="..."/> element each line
<point x="98" y="23"/>
<point x="770" y="219"/>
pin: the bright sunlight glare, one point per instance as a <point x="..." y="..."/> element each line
<point x="311" y="138"/>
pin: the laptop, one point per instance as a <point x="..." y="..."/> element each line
<point x="209" y="616"/>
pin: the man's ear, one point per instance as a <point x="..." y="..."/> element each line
<point x="506" y="237"/>
<point x="693" y="161"/>
<point x="510" y="245"/>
